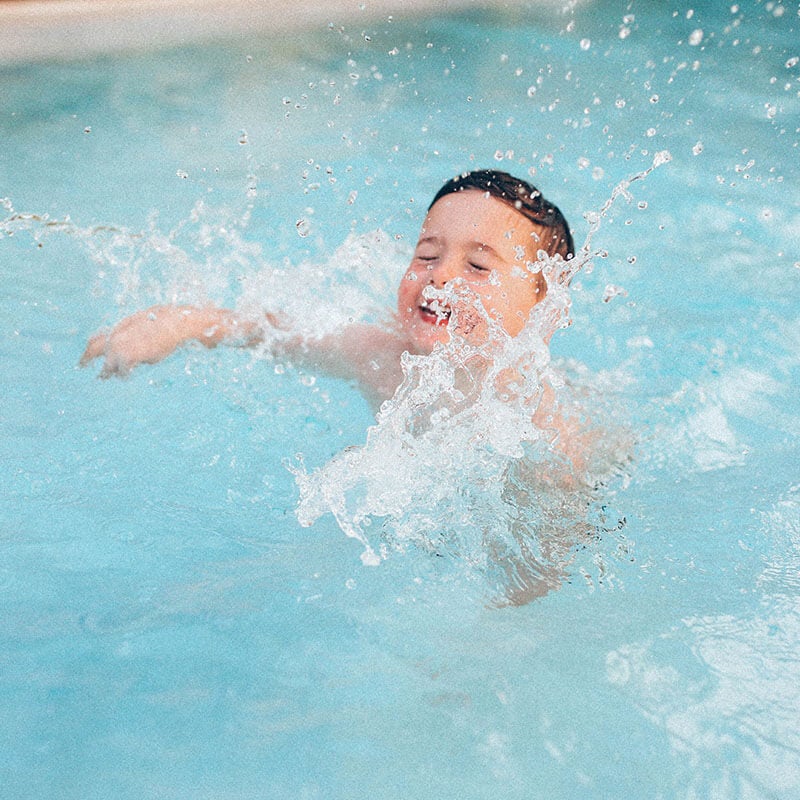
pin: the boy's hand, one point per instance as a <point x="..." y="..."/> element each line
<point x="145" y="337"/>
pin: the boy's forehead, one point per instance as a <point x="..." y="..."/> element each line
<point x="477" y="212"/>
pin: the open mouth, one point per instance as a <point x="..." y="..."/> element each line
<point x="435" y="313"/>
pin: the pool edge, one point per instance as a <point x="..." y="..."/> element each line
<point x="39" y="30"/>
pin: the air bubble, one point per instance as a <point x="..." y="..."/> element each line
<point x="303" y="227"/>
<point x="697" y="149"/>
<point x="792" y="62"/>
<point x="586" y="44"/>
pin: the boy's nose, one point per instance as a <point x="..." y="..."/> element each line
<point x="441" y="273"/>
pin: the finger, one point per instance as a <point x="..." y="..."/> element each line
<point x="115" y="367"/>
<point x="96" y="347"/>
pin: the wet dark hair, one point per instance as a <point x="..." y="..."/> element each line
<point x="522" y="197"/>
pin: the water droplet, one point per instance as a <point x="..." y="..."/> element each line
<point x="611" y="291"/>
<point x="792" y="62"/>
<point x="597" y="173"/>
<point x="586" y="44"/>
<point x="243" y="137"/>
<point x="631" y="259"/>
<point x="351" y="198"/>
<point x="642" y="204"/>
<point x="654" y="99"/>
<point x="697" y="149"/>
<point x="531" y="91"/>
<point x="182" y="173"/>
<point x="696" y="37"/>
<point x="303" y="227"/>
<point x="87" y="129"/>
<point x="592" y="217"/>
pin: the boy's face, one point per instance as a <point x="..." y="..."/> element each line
<point x="480" y="246"/>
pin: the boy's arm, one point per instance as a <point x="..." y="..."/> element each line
<point x="147" y="337"/>
<point x="366" y="353"/>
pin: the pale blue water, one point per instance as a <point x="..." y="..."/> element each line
<point x="169" y="630"/>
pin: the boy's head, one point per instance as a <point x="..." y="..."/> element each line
<point x="523" y="197"/>
<point x="481" y="236"/>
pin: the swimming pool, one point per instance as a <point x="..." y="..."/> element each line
<point x="169" y="629"/>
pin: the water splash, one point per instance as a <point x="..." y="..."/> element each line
<point x="483" y="454"/>
<point x="471" y="459"/>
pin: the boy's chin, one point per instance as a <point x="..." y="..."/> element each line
<point x="423" y="341"/>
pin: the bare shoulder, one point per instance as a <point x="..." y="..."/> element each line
<point x="573" y="435"/>
<point x="366" y="353"/>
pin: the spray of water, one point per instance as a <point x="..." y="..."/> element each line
<point x="488" y="454"/>
<point x="483" y="453"/>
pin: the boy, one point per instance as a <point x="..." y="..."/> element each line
<point x="481" y="237"/>
<point x="475" y="276"/>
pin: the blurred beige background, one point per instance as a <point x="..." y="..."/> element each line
<point x="36" y="29"/>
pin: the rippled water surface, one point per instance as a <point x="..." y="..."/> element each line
<point x="170" y="629"/>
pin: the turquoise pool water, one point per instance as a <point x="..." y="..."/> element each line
<point x="168" y="627"/>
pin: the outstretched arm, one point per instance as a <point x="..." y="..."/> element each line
<point x="147" y="337"/>
<point x="368" y="354"/>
